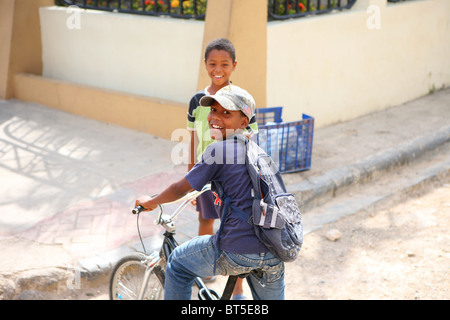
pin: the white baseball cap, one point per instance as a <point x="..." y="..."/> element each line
<point x="232" y="98"/>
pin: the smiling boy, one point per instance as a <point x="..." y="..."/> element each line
<point x="220" y="62"/>
<point x="237" y="250"/>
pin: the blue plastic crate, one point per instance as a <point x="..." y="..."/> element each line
<point x="265" y="115"/>
<point x="288" y="143"/>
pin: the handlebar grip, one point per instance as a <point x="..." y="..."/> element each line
<point x="138" y="209"/>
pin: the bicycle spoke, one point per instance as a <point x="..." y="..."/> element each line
<point x="128" y="291"/>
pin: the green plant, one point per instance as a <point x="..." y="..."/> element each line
<point x="185" y="7"/>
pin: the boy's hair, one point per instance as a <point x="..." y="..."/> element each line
<point x="221" y="44"/>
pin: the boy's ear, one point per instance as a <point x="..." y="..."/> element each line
<point x="234" y="64"/>
<point x="244" y="122"/>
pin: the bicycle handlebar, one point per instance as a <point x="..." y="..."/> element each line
<point x="188" y="197"/>
<point x="138" y="210"/>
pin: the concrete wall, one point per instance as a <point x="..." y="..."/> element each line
<point x="143" y="55"/>
<point x="126" y="69"/>
<point x="342" y="65"/>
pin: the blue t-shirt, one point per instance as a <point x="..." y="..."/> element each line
<point x="224" y="161"/>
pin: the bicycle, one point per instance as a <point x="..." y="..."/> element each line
<point x="141" y="276"/>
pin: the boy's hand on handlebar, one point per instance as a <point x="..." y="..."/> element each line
<point x="146" y="202"/>
<point x="174" y="192"/>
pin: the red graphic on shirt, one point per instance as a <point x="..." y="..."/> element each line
<point x="217" y="201"/>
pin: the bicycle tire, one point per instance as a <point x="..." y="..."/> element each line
<point x="127" y="278"/>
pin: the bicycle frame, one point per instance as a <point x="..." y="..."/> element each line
<point x="169" y="244"/>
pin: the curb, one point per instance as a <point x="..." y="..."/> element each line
<point x="334" y="212"/>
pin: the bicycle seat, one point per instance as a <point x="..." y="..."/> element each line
<point x="232" y="281"/>
<point x="257" y="272"/>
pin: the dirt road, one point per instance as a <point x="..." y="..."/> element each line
<point x="400" y="251"/>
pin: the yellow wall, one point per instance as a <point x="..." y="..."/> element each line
<point x="6" y="18"/>
<point x="20" y="38"/>
<point x="245" y="24"/>
<point x="155" y="116"/>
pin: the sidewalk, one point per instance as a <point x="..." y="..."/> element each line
<point x="69" y="183"/>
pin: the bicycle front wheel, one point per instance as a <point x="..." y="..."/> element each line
<point x="127" y="279"/>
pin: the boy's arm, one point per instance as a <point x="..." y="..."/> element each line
<point x="174" y="192"/>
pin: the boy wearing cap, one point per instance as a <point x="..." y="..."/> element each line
<point x="237" y="250"/>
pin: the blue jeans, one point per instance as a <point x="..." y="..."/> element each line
<point x="196" y="258"/>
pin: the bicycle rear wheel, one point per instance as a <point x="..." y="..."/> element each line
<point x="127" y="279"/>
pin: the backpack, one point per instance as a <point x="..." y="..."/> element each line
<point x="276" y="218"/>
